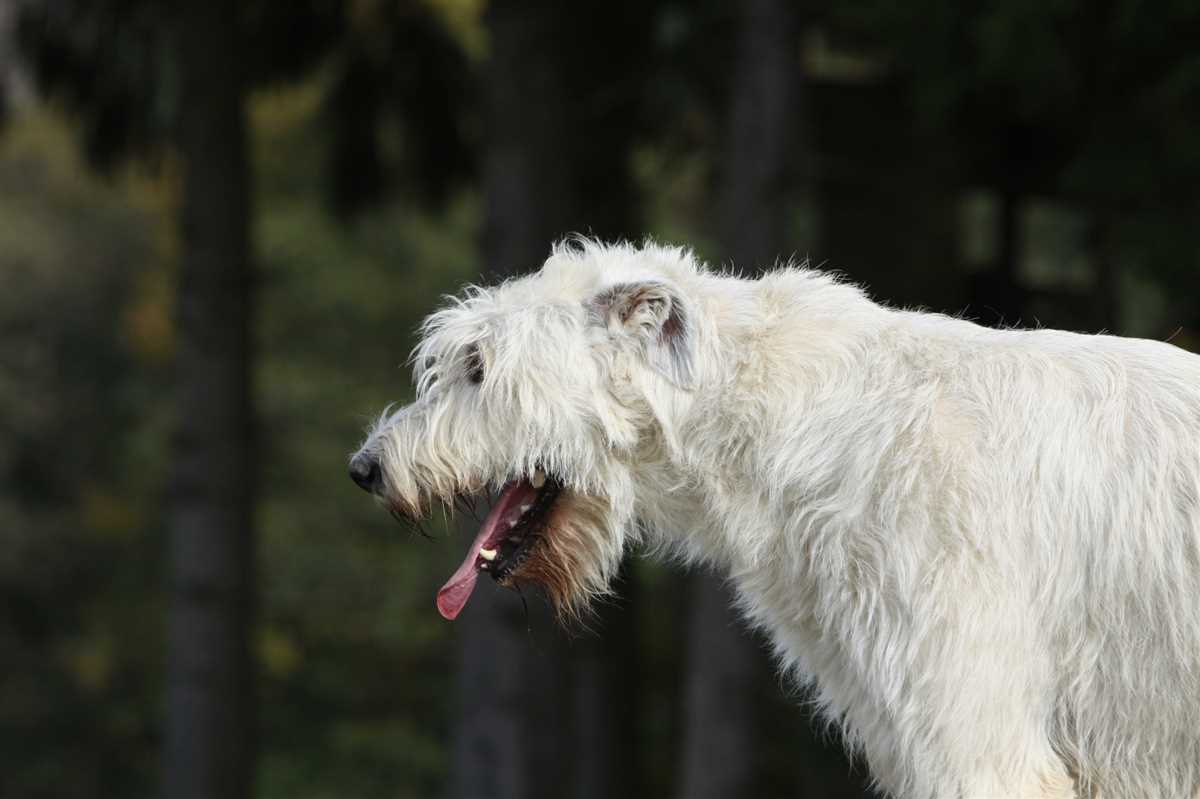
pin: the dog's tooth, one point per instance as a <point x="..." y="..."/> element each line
<point x="488" y="554"/>
<point x="539" y="479"/>
<point x="513" y="523"/>
<point x="525" y="508"/>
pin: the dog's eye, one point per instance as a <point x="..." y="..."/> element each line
<point x="474" y="365"/>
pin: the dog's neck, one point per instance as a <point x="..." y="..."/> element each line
<point x="782" y="355"/>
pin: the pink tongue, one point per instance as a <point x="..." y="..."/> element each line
<point x="454" y="594"/>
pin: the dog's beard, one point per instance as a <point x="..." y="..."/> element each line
<point x="538" y="532"/>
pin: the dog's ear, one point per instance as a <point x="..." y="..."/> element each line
<point x="654" y="315"/>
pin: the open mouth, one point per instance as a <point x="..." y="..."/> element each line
<point x="508" y="536"/>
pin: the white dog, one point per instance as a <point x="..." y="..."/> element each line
<point x="980" y="548"/>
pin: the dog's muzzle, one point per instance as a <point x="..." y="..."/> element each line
<point x="365" y="471"/>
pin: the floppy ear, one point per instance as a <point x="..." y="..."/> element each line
<point x="653" y="315"/>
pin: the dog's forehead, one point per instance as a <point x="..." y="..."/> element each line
<point x="540" y="288"/>
<point x="577" y="275"/>
<point x="561" y="291"/>
<point x="516" y="310"/>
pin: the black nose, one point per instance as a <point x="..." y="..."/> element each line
<point x="364" y="470"/>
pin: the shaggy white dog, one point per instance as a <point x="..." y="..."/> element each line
<point x="981" y="548"/>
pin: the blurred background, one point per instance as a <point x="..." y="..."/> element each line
<point x="221" y="221"/>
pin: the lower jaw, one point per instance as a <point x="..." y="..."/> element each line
<point x="504" y="570"/>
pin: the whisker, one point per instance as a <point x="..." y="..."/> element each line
<point x="411" y="525"/>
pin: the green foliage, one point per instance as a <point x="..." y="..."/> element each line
<point x="397" y="81"/>
<point x="1094" y="103"/>
<point x="82" y="448"/>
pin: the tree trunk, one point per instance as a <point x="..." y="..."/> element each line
<point x="724" y="660"/>
<point x="1105" y="299"/>
<point x="762" y="137"/>
<point x="719" y="701"/>
<point x="512" y="737"/>
<point x="539" y="717"/>
<point x="607" y="753"/>
<point x="210" y="724"/>
<point x="997" y="297"/>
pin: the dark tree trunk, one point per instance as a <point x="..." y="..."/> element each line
<point x="997" y="296"/>
<point x="210" y="724"/>
<point x="607" y="756"/>
<point x="526" y="162"/>
<point x="512" y="738"/>
<point x="762" y="137"/>
<point x="1105" y="299"/>
<point x="540" y="716"/>
<point x="724" y="661"/>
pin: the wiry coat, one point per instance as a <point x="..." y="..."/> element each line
<point x="980" y="548"/>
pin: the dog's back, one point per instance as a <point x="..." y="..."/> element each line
<point x="1000" y="545"/>
<point x="1086" y="455"/>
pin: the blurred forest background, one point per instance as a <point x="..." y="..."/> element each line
<point x="221" y="221"/>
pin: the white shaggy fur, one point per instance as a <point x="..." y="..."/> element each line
<point x="980" y="548"/>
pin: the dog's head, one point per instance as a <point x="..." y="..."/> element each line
<point x="553" y="391"/>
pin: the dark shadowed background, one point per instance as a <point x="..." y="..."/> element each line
<point x="221" y="222"/>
